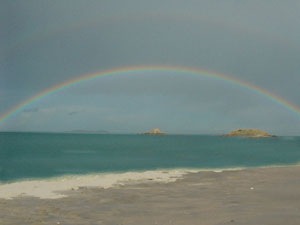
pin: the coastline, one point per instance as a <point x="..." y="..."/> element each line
<point x="248" y="196"/>
<point x="58" y="187"/>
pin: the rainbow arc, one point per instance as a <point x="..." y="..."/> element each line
<point x="133" y="69"/>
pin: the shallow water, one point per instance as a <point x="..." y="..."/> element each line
<point x="43" y="155"/>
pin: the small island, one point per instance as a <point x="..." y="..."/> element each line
<point x="155" y="131"/>
<point x="249" y="133"/>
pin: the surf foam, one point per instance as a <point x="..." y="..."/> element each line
<point x="57" y="187"/>
<point x="52" y="188"/>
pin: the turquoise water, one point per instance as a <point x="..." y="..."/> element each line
<point x="42" y="155"/>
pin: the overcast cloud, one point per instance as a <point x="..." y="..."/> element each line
<point x="46" y="42"/>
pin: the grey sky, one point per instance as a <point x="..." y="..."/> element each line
<point x="46" y="42"/>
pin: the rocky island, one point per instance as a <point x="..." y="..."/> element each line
<point x="154" y="132"/>
<point x="250" y="133"/>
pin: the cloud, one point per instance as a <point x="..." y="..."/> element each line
<point x="72" y="113"/>
<point x="261" y="49"/>
<point x="31" y="110"/>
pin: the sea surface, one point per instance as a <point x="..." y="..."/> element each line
<point x="45" y="155"/>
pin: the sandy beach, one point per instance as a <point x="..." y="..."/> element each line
<point x="266" y="196"/>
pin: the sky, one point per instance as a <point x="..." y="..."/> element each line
<point x="44" y="43"/>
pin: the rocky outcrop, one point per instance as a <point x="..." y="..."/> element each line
<point x="251" y="133"/>
<point x="154" y="132"/>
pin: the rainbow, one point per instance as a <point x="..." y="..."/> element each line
<point x="133" y="69"/>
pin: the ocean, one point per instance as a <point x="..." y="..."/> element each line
<point x="46" y="155"/>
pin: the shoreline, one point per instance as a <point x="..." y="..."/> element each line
<point x="57" y="187"/>
<point x="245" y="197"/>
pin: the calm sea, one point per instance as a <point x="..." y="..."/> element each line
<point x="42" y="155"/>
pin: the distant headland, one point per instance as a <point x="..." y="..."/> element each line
<point x="88" y="132"/>
<point x="155" y="131"/>
<point x="250" y="133"/>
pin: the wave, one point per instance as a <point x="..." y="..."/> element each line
<point x="57" y="187"/>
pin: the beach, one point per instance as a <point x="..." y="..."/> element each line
<point x="248" y="196"/>
<point x="149" y="112"/>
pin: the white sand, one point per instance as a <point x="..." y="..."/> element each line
<point x="51" y="188"/>
<point x="248" y="197"/>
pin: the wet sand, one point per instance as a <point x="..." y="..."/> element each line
<point x="261" y="196"/>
